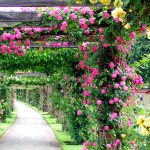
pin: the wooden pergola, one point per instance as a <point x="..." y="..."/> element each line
<point x="13" y="18"/>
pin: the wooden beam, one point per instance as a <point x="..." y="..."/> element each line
<point x="36" y="3"/>
<point x="8" y="24"/>
<point x="18" y="16"/>
<point x="30" y="74"/>
<point x="39" y="44"/>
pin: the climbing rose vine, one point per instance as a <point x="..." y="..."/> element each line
<point x="106" y="78"/>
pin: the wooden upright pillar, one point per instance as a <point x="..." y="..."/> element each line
<point x="41" y="98"/>
<point x="27" y="96"/>
<point x="11" y="99"/>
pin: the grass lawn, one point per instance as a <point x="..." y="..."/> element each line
<point x="9" y="122"/>
<point x="62" y="136"/>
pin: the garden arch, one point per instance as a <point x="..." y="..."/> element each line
<point x="103" y="68"/>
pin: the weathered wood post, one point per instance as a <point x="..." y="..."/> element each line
<point x="41" y="98"/>
<point x="11" y="98"/>
<point x="27" y="95"/>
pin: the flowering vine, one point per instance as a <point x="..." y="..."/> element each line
<point x="107" y="80"/>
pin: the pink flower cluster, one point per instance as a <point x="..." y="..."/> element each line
<point x="79" y="112"/>
<point x="137" y="79"/>
<point x="113" y="116"/>
<point x="64" y="26"/>
<point x="115" y="100"/>
<point x="82" y="23"/>
<point x="115" y="144"/>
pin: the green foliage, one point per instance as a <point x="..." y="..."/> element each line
<point x="33" y="96"/>
<point x="66" y="98"/>
<point x="63" y="136"/>
<point x="48" y="61"/>
<point x="4" y="100"/>
<point x="140" y="58"/>
<point x="8" y="123"/>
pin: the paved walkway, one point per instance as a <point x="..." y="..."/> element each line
<point x="30" y="132"/>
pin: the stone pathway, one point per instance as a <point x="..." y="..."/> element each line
<point x="30" y="132"/>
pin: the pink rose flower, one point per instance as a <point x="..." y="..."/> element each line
<point x="92" y="20"/>
<point x="102" y="37"/>
<point x="122" y="83"/>
<point x="123" y="78"/>
<point x="99" y="102"/>
<point x="111" y="102"/>
<point x="132" y="35"/>
<point x="103" y="91"/>
<point x="106" y="14"/>
<point x="66" y="10"/>
<point x="116" y="20"/>
<point x="120" y="48"/>
<point x="111" y="65"/>
<point x="105" y="45"/>
<point x="113" y="115"/>
<point x="108" y="146"/>
<point x="94" y="49"/>
<point x="125" y="88"/>
<point x="119" y="39"/>
<point x="47" y="44"/>
<point x="92" y="130"/>
<point x="114" y="75"/>
<point x="100" y="30"/>
<point x="79" y="112"/>
<point x="116" y="99"/>
<point x="39" y="15"/>
<point x="65" y="44"/>
<point x="106" y="128"/>
<point x="73" y="16"/>
<point x="86" y="93"/>
<point x="94" y="144"/>
<point x="116" y="86"/>
<point x="63" y="26"/>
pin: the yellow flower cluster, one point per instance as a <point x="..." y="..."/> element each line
<point x="79" y="1"/>
<point x="93" y="1"/>
<point x="148" y="32"/>
<point x="118" y="3"/>
<point x="127" y="26"/>
<point x="105" y="2"/>
<point x="144" y="124"/>
<point x="118" y="13"/>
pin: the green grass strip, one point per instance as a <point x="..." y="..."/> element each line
<point x="62" y="136"/>
<point x="4" y="126"/>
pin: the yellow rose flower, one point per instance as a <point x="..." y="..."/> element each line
<point x="147" y="122"/>
<point x="118" y="13"/>
<point x="105" y="2"/>
<point x="140" y="120"/>
<point x="79" y="1"/>
<point x="123" y="136"/>
<point x="148" y="35"/>
<point x="118" y="3"/>
<point x="93" y="1"/>
<point x="127" y="26"/>
<point x="144" y="131"/>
